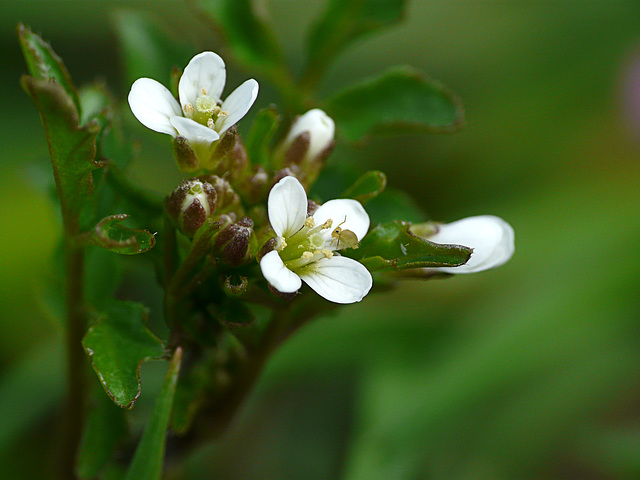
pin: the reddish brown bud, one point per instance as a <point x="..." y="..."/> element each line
<point x="191" y="204"/>
<point x="234" y="241"/>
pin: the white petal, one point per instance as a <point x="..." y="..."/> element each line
<point x="153" y="105"/>
<point x="287" y="206"/>
<point x="238" y="104"/>
<point x="338" y="279"/>
<point x="321" y="130"/>
<point x="357" y="219"/>
<point x="282" y="279"/>
<point x="193" y="131"/>
<point x="491" y="238"/>
<point x="200" y="138"/>
<point x="205" y="70"/>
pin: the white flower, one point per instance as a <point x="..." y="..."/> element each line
<point x="200" y="117"/>
<point x="320" y="128"/>
<point x="491" y="238"/>
<point x="306" y="248"/>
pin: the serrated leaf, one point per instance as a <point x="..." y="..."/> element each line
<point x="248" y="35"/>
<point x="146" y="48"/>
<point x="106" y="427"/>
<point x="368" y="186"/>
<point x="44" y="64"/>
<point x="72" y="148"/>
<point x="342" y="23"/>
<point x="117" y="344"/>
<point x="109" y="234"/>
<point x="149" y="457"/>
<point x="391" y="246"/>
<point x="261" y="134"/>
<point x="400" y="100"/>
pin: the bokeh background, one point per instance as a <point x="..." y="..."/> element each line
<point x="530" y="371"/>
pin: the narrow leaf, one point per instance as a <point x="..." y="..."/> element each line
<point x="149" y="457"/>
<point x="44" y="64"/>
<point x="400" y="100"/>
<point x="72" y="148"/>
<point x="117" y="344"/>
<point x="368" y="186"/>
<point x="344" y="22"/>
<point x="391" y="246"/>
<point x="261" y="134"/>
<point x="249" y="36"/>
<point x="109" y="234"/>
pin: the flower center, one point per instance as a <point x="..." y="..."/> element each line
<point x="206" y="110"/>
<point x="306" y="246"/>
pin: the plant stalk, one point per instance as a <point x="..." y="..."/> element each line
<point x="76" y="360"/>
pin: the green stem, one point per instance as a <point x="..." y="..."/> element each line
<point x="76" y="360"/>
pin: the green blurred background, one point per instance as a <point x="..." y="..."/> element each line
<point x="530" y="371"/>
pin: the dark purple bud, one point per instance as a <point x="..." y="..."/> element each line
<point x="234" y="242"/>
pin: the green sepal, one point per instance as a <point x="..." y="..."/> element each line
<point x="249" y="37"/>
<point x="342" y="23"/>
<point x="149" y="457"/>
<point x="72" y="148"/>
<point x="400" y="100"/>
<point x="44" y="64"/>
<point x="117" y="344"/>
<point x="261" y="134"/>
<point x="105" y="429"/>
<point x="368" y="186"/>
<point x="391" y="246"/>
<point x="112" y="236"/>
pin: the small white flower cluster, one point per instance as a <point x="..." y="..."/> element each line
<point x="307" y="246"/>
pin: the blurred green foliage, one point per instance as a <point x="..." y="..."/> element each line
<point x="528" y="371"/>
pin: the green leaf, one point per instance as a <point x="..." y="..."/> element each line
<point x="149" y="457"/>
<point x="400" y="100"/>
<point x="72" y="148"/>
<point x="146" y="48"/>
<point x="44" y="64"/>
<point x="106" y="427"/>
<point x="342" y="23"/>
<point x="117" y="344"/>
<point x="391" y="246"/>
<point x="250" y="38"/>
<point x="261" y="134"/>
<point x="368" y="186"/>
<point x="109" y="234"/>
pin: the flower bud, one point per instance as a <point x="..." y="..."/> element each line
<point x="234" y="241"/>
<point x="227" y="198"/>
<point x="191" y="204"/>
<point x="308" y="144"/>
<point x="313" y="131"/>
